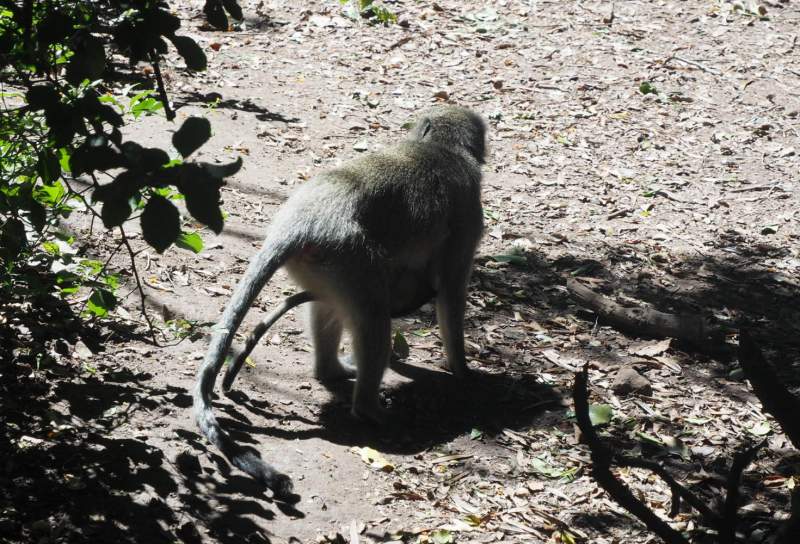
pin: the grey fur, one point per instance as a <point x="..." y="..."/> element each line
<point x="373" y="239"/>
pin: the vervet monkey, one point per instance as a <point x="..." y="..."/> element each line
<point x="371" y="240"/>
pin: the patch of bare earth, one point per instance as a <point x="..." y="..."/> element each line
<point x="647" y="149"/>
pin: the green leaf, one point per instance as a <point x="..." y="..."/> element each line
<point x="161" y="223"/>
<point x="645" y="87"/>
<point x="399" y="344"/>
<point x="737" y="375"/>
<point x="220" y="171"/>
<point x="101" y="302"/>
<point x="192" y="242"/>
<point x="52" y="248"/>
<point x="232" y="7"/>
<point x="600" y="414"/>
<point x="88" y="62"/>
<point x="650" y="438"/>
<point x="474" y="434"/>
<point x="760" y="429"/>
<point x="570" y="476"/>
<point x="442" y="536"/>
<point x="194" y="132"/>
<point x="564" y="141"/>
<point x="215" y="15"/>
<point x="191" y="53"/>
<point x="675" y="445"/>
<point x="697" y="421"/>
<point x="546" y="469"/>
<point x="507" y="258"/>
<point x="473" y="520"/>
<point x="48" y="166"/>
<point x="63" y="161"/>
<point x="115" y="212"/>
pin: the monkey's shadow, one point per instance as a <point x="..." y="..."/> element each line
<point x="433" y="408"/>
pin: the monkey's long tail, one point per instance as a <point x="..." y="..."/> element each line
<point x="266" y="262"/>
<point x="269" y="320"/>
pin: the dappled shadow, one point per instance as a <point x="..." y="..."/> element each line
<point x="220" y="102"/>
<point x="77" y="470"/>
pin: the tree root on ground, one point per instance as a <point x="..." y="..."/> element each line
<point x="699" y="333"/>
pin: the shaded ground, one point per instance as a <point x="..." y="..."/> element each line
<point x="683" y="199"/>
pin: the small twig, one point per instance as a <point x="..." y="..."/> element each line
<point x="696" y="64"/>
<point x="678" y="491"/>
<point x="132" y="255"/>
<point x="727" y="533"/>
<point x="754" y="188"/>
<point x="787" y="123"/>
<point x="162" y="91"/>
<point x="401" y="41"/>
<point x="619" y="213"/>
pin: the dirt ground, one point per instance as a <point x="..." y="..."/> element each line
<point x="649" y="151"/>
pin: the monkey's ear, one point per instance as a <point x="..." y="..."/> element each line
<point x="423" y="128"/>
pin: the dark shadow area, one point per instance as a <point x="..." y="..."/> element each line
<point x="247" y="105"/>
<point x="76" y="470"/>
<point x="433" y="409"/>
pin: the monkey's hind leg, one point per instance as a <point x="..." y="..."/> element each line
<point x="451" y="303"/>
<point x="242" y="353"/>
<point x="371" y="333"/>
<point x="325" y="328"/>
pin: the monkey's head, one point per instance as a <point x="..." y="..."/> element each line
<point x="454" y="128"/>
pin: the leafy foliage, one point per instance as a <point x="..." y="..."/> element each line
<point x="368" y="9"/>
<point x="57" y="118"/>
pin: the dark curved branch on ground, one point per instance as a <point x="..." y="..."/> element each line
<point x="601" y="469"/>
<point x="678" y="491"/>
<point x="602" y="458"/>
<point x="727" y="532"/>
<point x="696" y="332"/>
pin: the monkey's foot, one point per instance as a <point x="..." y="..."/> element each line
<point x="381" y="417"/>
<point x="341" y="368"/>
<point x="461" y="371"/>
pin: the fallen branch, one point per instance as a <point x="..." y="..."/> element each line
<point x="698" y="333"/>
<point x="603" y="457"/>
<point x="601" y="468"/>
<point x="727" y="533"/>
<point x="693" y="63"/>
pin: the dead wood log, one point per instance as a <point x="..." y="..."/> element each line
<point x="696" y="332"/>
